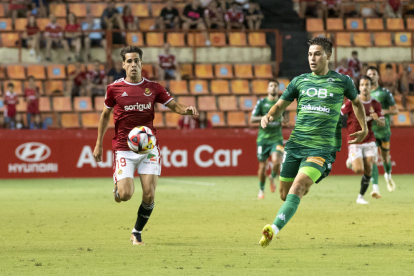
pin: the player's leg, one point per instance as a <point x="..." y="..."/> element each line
<point x="277" y="156"/>
<point x="262" y="178"/>
<point x="386" y="160"/>
<point x="125" y="164"/>
<point x="124" y="189"/>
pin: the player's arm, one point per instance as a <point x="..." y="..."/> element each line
<point x="275" y="112"/>
<point x="393" y="110"/>
<point x="378" y="115"/>
<point x="359" y="111"/>
<point x="182" y="109"/>
<point x="103" y="126"/>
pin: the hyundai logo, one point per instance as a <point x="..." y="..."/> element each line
<point x="33" y="152"/>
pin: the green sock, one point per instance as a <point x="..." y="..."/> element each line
<point x="287" y="211"/>
<point x="274" y="175"/>
<point x="387" y="167"/>
<point x="374" y="174"/>
<point x="262" y="185"/>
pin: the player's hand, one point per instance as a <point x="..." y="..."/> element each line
<point x="265" y="120"/>
<point x="97" y="153"/>
<point x="359" y="136"/>
<point x="374" y="116"/>
<point x="193" y="110"/>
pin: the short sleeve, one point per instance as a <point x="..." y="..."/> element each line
<point x="346" y="108"/>
<point x="291" y="92"/>
<point x="257" y="109"/>
<point x="109" y="97"/>
<point x="186" y="10"/>
<point x="350" y="90"/>
<point x="390" y="99"/>
<point x="163" y="96"/>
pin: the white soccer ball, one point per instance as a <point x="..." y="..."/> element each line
<point x="141" y="140"/>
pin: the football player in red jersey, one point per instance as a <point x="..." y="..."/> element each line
<point x="362" y="156"/>
<point x="132" y="100"/>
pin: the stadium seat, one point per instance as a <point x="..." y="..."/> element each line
<point x="223" y="71"/>
<point x="56" y="71"/>
<point x="39" y="84"/>
<point x="51" y="119"/>
<point x="82" y="104"/>
<point x="156" y="9"/>
<point x="218" y="39"/>
<point x="186" y="70"/>
<point x="247" y="103"/>
<point x="176" y="39"/>
<point x="243" y="71"/>
<point x="283" y="83"/>
<point x="2" y="107"/>
<point x="374" y="24"/>
<point x="382" y="39"/>
<point x="53" y="85"/>
<point x="199" y="39"/>
<point x="204" y="71"/>
<point x="403" y="39"/>
<point x="18" y="88"/>
<point x="219" y="87"/>
<point x="69" y="120"/>
<point x="227" y="103"/>
<point x="314" y="25"/>
<point x="37" y="71"/>
<point x="257" y="39"/>
<point x="6" y="24"/>
<point x="2" y="72"/>
<point x="9" y="39"/>
<point x="21" y="105"/>
<point x="150" y="69"/>
<point x="396" y="24"/>
<point x="382" y="69"/>
<point x="135" y="38"/>
<point x="236" y="119"/>
<point x="216" y="118"/>
<point x="171" y="119"/>
<point x="343" y="39"/>
<point x="60" y="10"/>
<point x="61" y="104"/>
<point x="187" y="100"/>
<point x="354" y="24"/>
<point x="410" y="23"/>
<point x="140" y="10"/>
<point x="198" y="87"/>
<point x="259" y="87"/>
<point x="20" y="24"/>
<point x="97" y="9"/>
<point x="155" y="39"/>
<point x="90" y="119"/>
<point x="263" y="71"/>
<point x="44" y="104"/>
<point x="402" y="119"/>
<point x="42" y="22"/>
<point x="362" y="39"/>
<point x="237" y="39"/>
<point x="146" y="24"/>
<point x="334" y="24"/>
<point x="240" y="87"/>
<point x="178" y="87"/>
<point x="79" y="9"/>
<point x="158" y="120"/>
<point x="71" y="67"/>
<point x="2" y="12"/>
<point x="207" y="103"/>
<point x="99" y="103"/>
<point x="17" y="72"/>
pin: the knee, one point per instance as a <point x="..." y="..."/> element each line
<point x="148" y="198"/>
<point x="358" y="170"/>
<point x="124" y="194"/>
<point x="283" y="195"/>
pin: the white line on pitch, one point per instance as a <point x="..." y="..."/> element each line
<point x="188" y="182"/>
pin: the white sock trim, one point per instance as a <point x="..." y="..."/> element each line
<point x="274" y="227"/>
<point x="136" y="231"/>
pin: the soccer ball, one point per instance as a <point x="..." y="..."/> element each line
<point x="141" y="140"/>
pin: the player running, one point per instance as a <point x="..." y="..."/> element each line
<point x="382" y="134"/>
<point x="132" y="99"/>
<point x="362" y="155"/>
<point x="313" y="143"/>
<point x="270" y="140"/>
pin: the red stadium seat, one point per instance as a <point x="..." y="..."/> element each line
<point x="218" y="39"/>
<point x="21" y="106"/>
<point x="20" y="24"/>
<point x="156" y="9"/>
<point x="97" y="9"/>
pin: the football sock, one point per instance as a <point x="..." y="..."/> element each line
<point x="262" y="185"/>
<point x="364" y="184"/>
<point x="387" y="167"/>
<point x="144" y="212"/>
<point x="274" y="175"/>
<point x="375" y="187"/>
<point x="287" y="211"/>
<point x="375" y="174"/>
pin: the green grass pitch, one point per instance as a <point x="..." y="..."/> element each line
<point x="203" y="226"/>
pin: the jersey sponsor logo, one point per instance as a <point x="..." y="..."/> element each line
<point x="311" y="108"/>
<point x="316" y="160"/>
<point x="371" y="109"/>
<point x="125" y="94"/>
<point x="152" y="157"/>
<point x="147" y="92"/>
<point x="137" y="106"/>
<point x="119" y="172"/>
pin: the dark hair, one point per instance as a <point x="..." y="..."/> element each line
<point x="365" y="77"/>
<point x="31" y="77"/>
<point x="74" y="16"/>
<point x="354" y="52"/>
<point x="274" y="80"/>
<point x="125" y="8"/>
<point x="388" y="66"/>
<point x="321" y="41"/>
<point x="10" y="84"/>
<point x="131" y="49"/>
<point x="372" y="68"/>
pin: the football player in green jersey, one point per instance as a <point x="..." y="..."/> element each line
<point x="270" y="139"/>
<point x="313" y="143"/>
<point x="382" y="134"/>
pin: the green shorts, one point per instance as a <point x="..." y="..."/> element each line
<point x="383" y="143"/>
<point x="316" y="164"/>
<point x="264" y="150"/>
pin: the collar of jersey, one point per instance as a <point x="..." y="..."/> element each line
<point x="321" y="76"/>
<point x="131" y="83"/>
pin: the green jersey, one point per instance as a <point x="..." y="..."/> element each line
<point x="319" y="98"/>
<point x="384" y="96"/>
<point x="273" y="132"/>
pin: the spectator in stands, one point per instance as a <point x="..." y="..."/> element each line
<point x="31" y="37"/>
<point x="54" y="36"/>
<point x="389" y="79"/>
<point x="19" y="121"/>
<point x="97" y="81"/>
<point x="355" y="64"/>
<point x="38" y="123"/>
<point x="234" y="17"/>
<point x="78" y="81"/>
<point x="214" y="16"/>
<point x="111" y="19"/>
<point x="193" y="18"/>
<point x="18" y="9"/>
<point x="92" y="38"/>
<point x="408" y="9"/>
<point x="254" y="16"/>
<point x="169" y="17"/>
<point x="117" y="72"/>
<point x="32" y="95"/>
<point x="407" y="79"/>
<point x="189" y="122"/>
<point x="130" y="21"/>
<point x="393" y="9"/>
<point x="369" y="11"/>
<point x="10" y="101"/>
<point x="38" y="8"/>
<point x="73" y="34"/>
<point x="332" y="8"/>
<point x="344" y="69"/>
<point x="310" y="8"/>
<point x="167" y="67"/>
<point x="363" y="71"/>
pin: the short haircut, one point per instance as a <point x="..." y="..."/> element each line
<point x="388" y="66"/>
<point x="354" y="53"/>
<point x="372" y="68"/>
<point x="31" y="77"/>
<point x="321" y="41"/>
<point x="131" y="49"/>
<point x="274" y="80"/>
<point x="365" y="77"/>
<point x="10" y="84"/>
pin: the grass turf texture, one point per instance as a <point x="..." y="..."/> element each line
<point x="74" y="227"/>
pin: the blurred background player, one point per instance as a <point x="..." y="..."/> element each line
<point x="167" y="67"/>
<point x="362" y="155"/>
<point x="123" y="97"/>
<point x="270" y="139"/>
<point x="382" y="134"/>
<point x="32" y="98"/>
<point x="10" y="101"/>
